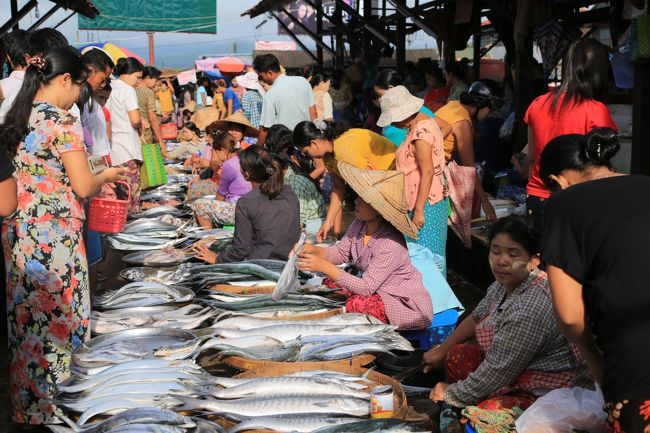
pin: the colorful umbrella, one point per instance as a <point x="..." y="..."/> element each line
<point x="112" y="50"/>
<point x="230" y="65"/>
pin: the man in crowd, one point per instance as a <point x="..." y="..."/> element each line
<point x="289" y="101"/>
<point x="16" y="46"/>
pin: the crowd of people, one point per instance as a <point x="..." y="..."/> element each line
<point x="276" y="153"/>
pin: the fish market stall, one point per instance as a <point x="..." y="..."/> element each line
<point x="182" y="346"/>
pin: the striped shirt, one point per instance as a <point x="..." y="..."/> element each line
<point x="312" y="204"/>
<point x="251" y="104"/>
<point x="387" y="271"/>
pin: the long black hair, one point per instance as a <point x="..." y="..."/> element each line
<point x="388" y="78"/>
<point x="318" y="78"/>
<point x="128" y="65"/>
<point x="263" y="167"/>
<point x="279" y="140"/>
<point x="224" y="141"/>
<point x="98" y="60"/>
<point x="585" y="70"/>
<point x="192" y="127"/>
<point x="41" y="71"/>
<point x="306" y="131"/>
<point x="520" y="229"/>
<point x="577" y="152"/>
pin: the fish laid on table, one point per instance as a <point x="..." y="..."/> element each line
<point x="285" y="352"/>
<point x="279" y="386"/>
<point x="158" y="211"/>
<point x="144" y="225"/>
<point x="163" y="257"/>
<point x="371" y="426"/>
<point x="140" y="415"/>
<point x="116" y="406"/>
<point x="241" y="321"/>
<point x="288" y="280"/>
<point x="292" y="332"/>
<point x="142" y="243"/>
<point x="272" y="405"/>
<point x="263" y="303"/>
<point x="143" y="294"/>
<point x="299" y="424"/>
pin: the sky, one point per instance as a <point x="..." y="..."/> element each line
<point x="235" y="34"/>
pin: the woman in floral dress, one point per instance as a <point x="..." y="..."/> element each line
<point x="48" y="303"/>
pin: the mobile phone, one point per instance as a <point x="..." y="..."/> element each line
<point x="97" y="164"/>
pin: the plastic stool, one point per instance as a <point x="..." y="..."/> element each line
<point x="442" y="326"/>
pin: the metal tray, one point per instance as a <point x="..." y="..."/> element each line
<point x="145" y="339"/>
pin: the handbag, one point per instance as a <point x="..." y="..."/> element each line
<point x="461" y="182"/>
<point x="169" y="131"/>
<point x="640" y="38"/>
<point x="153" y="169"/>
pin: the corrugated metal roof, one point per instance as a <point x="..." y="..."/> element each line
<point x="299" y="59"/>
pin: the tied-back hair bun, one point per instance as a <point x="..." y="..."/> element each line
<point x="600" y="146"/>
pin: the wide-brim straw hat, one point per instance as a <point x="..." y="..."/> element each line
<point x="384" y="191"/>
<point x="205" y="116"/>
<point x="396" y="105"/>
<point x="250" y="81"/>
<point x="240" y="119"/>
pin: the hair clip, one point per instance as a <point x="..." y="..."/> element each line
<point x="38" y="62"/>
<point x="320" y="124"/>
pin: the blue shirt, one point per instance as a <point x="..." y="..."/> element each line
<point x="229" y="95"/>
<point x="199" y="91"/>
<point x="398" y="135"/>
<point x="287" y="102"/>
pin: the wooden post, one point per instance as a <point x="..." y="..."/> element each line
<point x="319" y="32"/>
<point x="641" y="118"/>
<point x="476" y="39"/>
<point x="400" y="52"/>
<point x="524" y="74"/>
<point x="152" y="57"/>
<point x="14" y="13"/>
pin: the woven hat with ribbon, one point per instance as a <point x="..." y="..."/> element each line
<point x="384" y="191"/>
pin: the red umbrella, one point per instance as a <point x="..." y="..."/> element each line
<point x="230" y="65"/>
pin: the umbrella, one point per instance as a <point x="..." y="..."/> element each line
<point x="112" y="50"/>
<point x="230" y="65"/>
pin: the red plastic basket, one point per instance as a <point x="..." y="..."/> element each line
<point x="108" y="215"/>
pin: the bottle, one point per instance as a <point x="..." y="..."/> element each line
<point x="382" y="402"/>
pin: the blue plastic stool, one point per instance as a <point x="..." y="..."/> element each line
<point x="442" y="326"/>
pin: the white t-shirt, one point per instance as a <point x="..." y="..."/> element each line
<point x="10" y="92"/>
<point x="126" y="141"/>
<point x="95" y="122"/>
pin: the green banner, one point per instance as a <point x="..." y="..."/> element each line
<point x="187" y="16"/>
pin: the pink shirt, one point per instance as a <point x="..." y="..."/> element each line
<point x="387" y="271"/>
<point x="426" y="130"/>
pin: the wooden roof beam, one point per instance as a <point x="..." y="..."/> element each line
<point x="401" y="7"/>
<point x="375" y="32"/>
<point x="292" y="35"/>
<point x="308" y="32"/>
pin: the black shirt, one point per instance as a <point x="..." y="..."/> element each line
<point x="6" y="167"/>
<point x="264" y="228"/>
<point x="598" y="232"/>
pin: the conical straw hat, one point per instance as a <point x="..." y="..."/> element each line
<point x="240" y="119"/>
<point x="384" y="191"/>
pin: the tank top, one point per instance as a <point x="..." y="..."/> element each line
<point x="452" y="113"/>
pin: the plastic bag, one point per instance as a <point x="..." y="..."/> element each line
<point x="563" y="410"/>
<point x="505" y="131"/>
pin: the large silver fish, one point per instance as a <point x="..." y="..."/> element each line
<point x="280" y="405"/>
<point x="297" y="424"/>
<point x="292" y="332"/>
<point x="248" y="322"/>
<point x="289" y="278"/>
<point x="140" y="415"/>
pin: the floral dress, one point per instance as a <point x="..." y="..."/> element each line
<point x="48" y="303"/>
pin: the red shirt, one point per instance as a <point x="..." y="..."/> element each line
<point x="546" y="125"/>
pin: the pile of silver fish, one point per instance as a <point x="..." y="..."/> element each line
<point x="147" y="234"/>
<point x="143" y="420"/>
<point x="164" y="257"/>
<point x="191" y="316"/>
<point x="252" y="304"/>
<point x="143" y="294"/>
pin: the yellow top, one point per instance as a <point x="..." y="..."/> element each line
<point x="165" y="98"/>
<point x="362" y="148"/>
<point x="452" y="113"/>
<point x="217" y="100"/>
